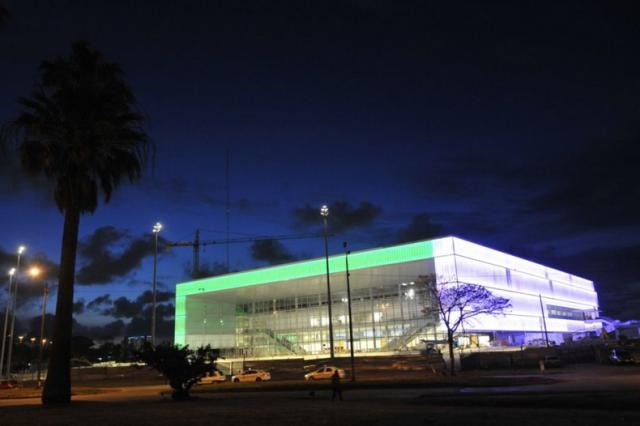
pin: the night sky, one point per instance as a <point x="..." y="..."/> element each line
<point x="512" y="124"/>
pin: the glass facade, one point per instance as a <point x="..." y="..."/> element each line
<point x="283" y="310"/>
<point x="292" y="318"/>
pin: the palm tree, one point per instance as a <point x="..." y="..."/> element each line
<point x="4" y="15"/>
<point x="80" y="131"/>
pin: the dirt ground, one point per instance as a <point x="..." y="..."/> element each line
<point x="276" y="408"/>
<point x="581" y="395"/>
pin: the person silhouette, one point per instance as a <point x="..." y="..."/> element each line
<point x="335" y="386"/>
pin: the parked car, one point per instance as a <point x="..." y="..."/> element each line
<point x="324" y="373"/>
<point x="251" y="375"/>
<point x="212" y="377"/>
<point x="621" y="356"/>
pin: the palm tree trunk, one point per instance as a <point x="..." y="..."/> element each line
<point x="57" y="388"/>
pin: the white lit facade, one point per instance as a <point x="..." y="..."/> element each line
<point x="282" y="310"/>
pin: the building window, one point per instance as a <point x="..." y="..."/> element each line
<point x="562" y="312"/>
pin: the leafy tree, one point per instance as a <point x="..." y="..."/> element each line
<point x="179" y="364"/>
<point x="456" y="303"/>
<point x="80" y="131"/>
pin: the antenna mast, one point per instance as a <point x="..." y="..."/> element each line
<point x="195" y="268"/>
<point x="228" y="207"/>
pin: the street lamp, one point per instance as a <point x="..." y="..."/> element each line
<point x="156" y="230"/>
<point x="12" y="271"/>
<point x="346" y="264"/>
<point x="324" y="212"/>
<point x="35" y="272"/>
<point x="14" y="304"/>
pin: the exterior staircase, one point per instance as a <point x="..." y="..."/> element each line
<point x="282" y="341"/>
<point x="409" y="335"/>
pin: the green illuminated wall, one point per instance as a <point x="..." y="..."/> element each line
<point x="309" y="268"/>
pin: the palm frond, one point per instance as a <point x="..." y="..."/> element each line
<point x="80" y="129"/>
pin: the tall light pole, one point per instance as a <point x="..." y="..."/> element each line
<point x="6" y="320"/>
<point x="324" y="211"/>
<point x="156" y="230"/>
<point x="346" y="264"/>
<point x="35" y="272"/>
<point x="544" y="321"/>
<point x="14" y="303"/>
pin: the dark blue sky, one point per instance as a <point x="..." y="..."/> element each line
<point x="512" y="125"/>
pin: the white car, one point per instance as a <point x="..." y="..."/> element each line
<point x="251" y="376"/>
<point x="212" y="377"/>
<point x="324" y="373"/>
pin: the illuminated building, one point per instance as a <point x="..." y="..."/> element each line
<point x="282" y="310"/>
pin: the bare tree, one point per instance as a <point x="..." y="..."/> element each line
<point x="456" y="303"/>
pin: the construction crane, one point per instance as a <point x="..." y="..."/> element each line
<point x="197" y="243"/>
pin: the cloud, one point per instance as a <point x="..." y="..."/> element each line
<point x="561" y="191"/>
<point x="123" y="307"/>
<point x="117" y="329"/>
<point x="78" y="306"/>
<point x="141" y="326"/>
<point x="592" y="188"/>
<point x="342" y="216"/>
<point x="99" y="301"/>
<point x="270" y="251"/>
<point x="108" y="331"/>
<point x="33" y="324"/>
<point x="615" y="271"/>
<point x="131" y="317"/>
<point x="101" y="266"/>
<point x="420" y="228"/>
<point x="206" y="270"/>
<point x="179" y="191"/>
<point x="161" y="296"/>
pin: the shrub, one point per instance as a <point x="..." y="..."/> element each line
<point x="181" y="366"/>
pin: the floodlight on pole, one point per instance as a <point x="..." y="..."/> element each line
<point x="14" y="304"/>
<point x="324" y="212"/>
<point x="35" y="272"/>
<point x="12" y="272"/>
<point x="156" y="230"/>
<point x="347" y="276"/>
